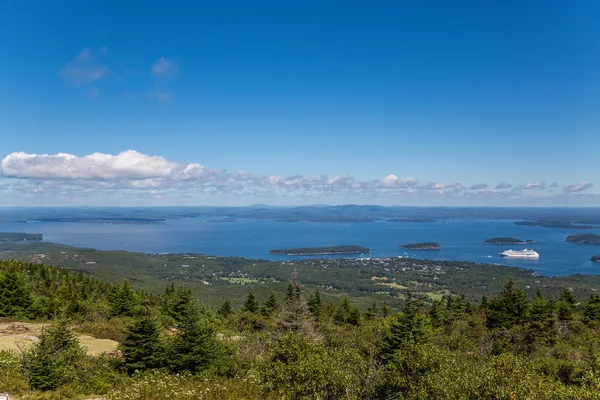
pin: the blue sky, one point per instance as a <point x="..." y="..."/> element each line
<point x="316" y="101"/>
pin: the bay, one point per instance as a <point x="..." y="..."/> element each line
<point x="460" y="239"/>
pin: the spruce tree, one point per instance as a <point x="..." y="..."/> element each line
<point x="226" y="309"/>
<point x="15" y="295"/>
<point x="52" y="360"/>
<point x="507" y="309"/>
<point x="591" y="312"/>
<point x="195" y="347"/>
<point x="540" y="321"/>
<point x="271" y="306"/>
<point x="251" y="305"/>
<point x="407" y="328"/>
<point x="315" y="305"/>
<point x="142" y="348"/>
<point x="296" y="316"/>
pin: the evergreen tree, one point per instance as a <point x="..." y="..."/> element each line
<point x="180" y="300"/>
<point x="251" y="305"/>
<point x="591" y="312"/>
<point x="314" y="304"/>
<point x="289" y="293"/>
<point x="123" y="300"/>
<point x="540" y="321"/>
<point x="195" y="347"/>
<point x="565" y="306"/>
<point x="51" y="361"/>
<point x="508" y="308"/>
<point x="142" y="348"/>
<point x="386" y="310"/>
<point x="226" y="309"/>
<point x="354" y="317"/>
<point x="567" y="296"/>
<point x="343" y="311"/>
<point x="296" y="316"/>
<point x="15" y="295"/>
<point x="408" y="327"/>
<point x="271" y="306"/>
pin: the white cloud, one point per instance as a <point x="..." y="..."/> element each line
<point x="126" y="165"/>
<point x="131" y="173"/>
<point x="164" y="67"/>
<point x="479" y="186"/>
<point x="503" y="185"/>
<point x="85" y="68"/>
<point x="583" y="186"/>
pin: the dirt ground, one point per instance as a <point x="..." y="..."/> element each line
<point x="15" y="335"/>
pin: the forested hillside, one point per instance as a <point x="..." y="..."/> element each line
<point x="293" y="344"/>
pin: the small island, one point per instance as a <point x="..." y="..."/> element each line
<point x="412" y="220"/>
<point x="596" y="258"/>
<point x="507" y="240"/>
<point x="421" y="246"/>
<point x="584" y="238"/>
<point x="319" y="251"/>
<point x="554" y="224"/>
<point x="14" y="237"/>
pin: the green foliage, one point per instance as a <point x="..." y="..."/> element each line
<point x="296" y="315"/>
<point x="226" y="309"/>
<point x="271" y="305"/>
<point x="507" y="309"/>
<point x="410" y="326"/>
<point x="303" y="368"/>
<point x="123" y="301"/>
<point x="591" y="313"/>
<point x="15" y="296"/>
<point x="51" y="361"/>
<point x="541" y="323"/>
<point x="251" y="305"/>
<point x="195" y="347"/>
<point x="142" y="348"/>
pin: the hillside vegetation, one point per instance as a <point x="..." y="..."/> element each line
<point x="294" y="344"/>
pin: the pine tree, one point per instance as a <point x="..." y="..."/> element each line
<point x="195" y="347"/>
<point x="591" y="312"/>
<point x="507" y="309"/>
<point x="315" y="306"/>
<point x="226" y="309"/>
<point x="289" y="293"/>
<point x="296" y="316"/>
<point x="343" y="311"/>
<point x="123" y="301"/>
<point x="142" y="348"/>
<point x="567" y="296"/>
<point x="51" y="361"/>
<point x="251" y="305"/>
<point x="180" y="300"/>
<point x="408" y="327"/>
<point x="271" y="306"/>
<point x="15" y="295"/>
<point x="540" y="321"/>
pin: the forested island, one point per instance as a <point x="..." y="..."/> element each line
<point x="313" y="251"/>
<point x="412" y="220"/>
<point x="584" y="238"/>
<point x="596" y="258"/>
<point x="13" y="237"/>
<point x="421" y="246"/>
<point x="507" y="240"/>
<point x="554" y="224"/>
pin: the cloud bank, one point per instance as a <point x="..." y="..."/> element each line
<point x="132" y="173"/>
<point x="85" y="68"/>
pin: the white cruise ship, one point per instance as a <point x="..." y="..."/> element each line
<point x="520" y="254"/>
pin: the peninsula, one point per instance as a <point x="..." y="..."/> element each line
<point x="421" y="246"/>
<point x="314" y="251"/>
<point x="12" y="237"/>
<point x="554" y="224"/>
<point x="507" y="240"/>
<point x="596" y="258"/>
<point x="584" y="238"/>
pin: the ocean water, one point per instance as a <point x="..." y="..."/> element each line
<point x="459" y="239"/>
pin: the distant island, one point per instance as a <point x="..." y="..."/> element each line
<point x="507" y="240"/>
<point x="314" y="251"/>
<point x="584" y="238"/>
<point x="421" y="246"/>
<point x="596" y="258"/>
<point x="555" y="224"/>
<point x="103" y="220"/>
<point x="12" y="237"/>
<point x="412" y="220"/>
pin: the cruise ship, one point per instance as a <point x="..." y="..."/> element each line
<point x="520" y="254"/>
